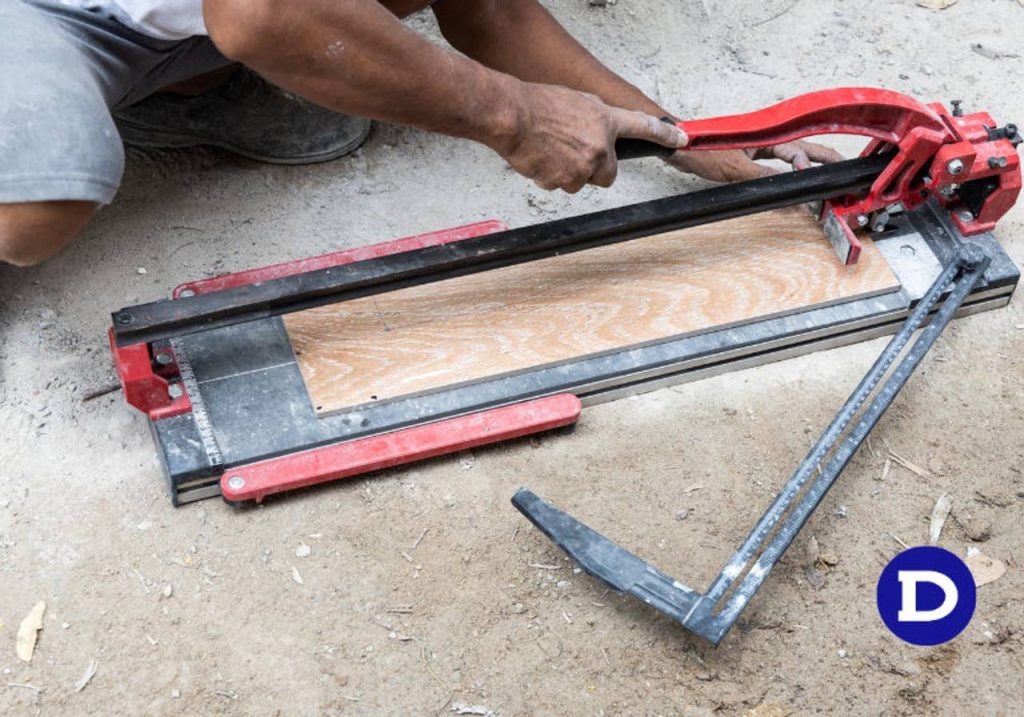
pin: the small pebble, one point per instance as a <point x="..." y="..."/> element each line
<point x="562" y="584"/>
<point x="303" y="551"/>
<point x="175" y="694"/>
<point x="841" y="652"/>
<point x="518" y="608"/>
<point x="140" y="270"/>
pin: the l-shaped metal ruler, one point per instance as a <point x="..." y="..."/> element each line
<point x="712" y="613"/>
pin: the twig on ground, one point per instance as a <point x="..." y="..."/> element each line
<point x="101" y="391"/>
<point x="776" y="16"/>
<point x="24" y="686"/>
<point x="433" y="674"/>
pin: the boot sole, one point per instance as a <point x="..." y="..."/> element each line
<point x="144" y="138"/>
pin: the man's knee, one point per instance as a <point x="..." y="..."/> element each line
<point x="32" y="232"/>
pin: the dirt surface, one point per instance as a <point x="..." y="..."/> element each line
<point x="421" y="590"/>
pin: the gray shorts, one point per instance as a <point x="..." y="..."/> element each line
<point x="62" y="71"/>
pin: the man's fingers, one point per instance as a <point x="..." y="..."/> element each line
<point x="801" y="154"/>
<point x="639" y="125"/>
<point x="821" y="153"/>
<point x="606" y="173"/>
<point x="800" y="160"/>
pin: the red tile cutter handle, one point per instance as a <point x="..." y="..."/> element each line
<point x="966" y="161"/>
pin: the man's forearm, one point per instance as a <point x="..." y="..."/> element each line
<point x="521" y="38"/>
<point x="355" y="57"/>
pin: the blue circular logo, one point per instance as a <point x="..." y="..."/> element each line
<point x="926" y="595"/>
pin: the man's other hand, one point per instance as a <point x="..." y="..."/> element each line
<point x="565" y="139"/>
<point x="739" y="165"/>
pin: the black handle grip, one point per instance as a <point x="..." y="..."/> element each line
<point x="635" y="148"/>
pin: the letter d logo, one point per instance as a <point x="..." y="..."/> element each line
<point x="909" y="580"/>
<point x="926" y="595"/>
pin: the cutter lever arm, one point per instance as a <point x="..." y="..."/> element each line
<point x="881" y="114"/>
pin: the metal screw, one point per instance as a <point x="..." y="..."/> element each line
<point x="175" y="391"/>
<point x="862" y="220"/>
<point x="881" y="222"/>
<point x="125" y="319"/>
<point x="236" y="482"/>
<point x="164" y="358"/>
<point x="949" y="191"/>
<point x="957" y="110"/>
<point x="954" y="167"/>
<point x="965" y="216"/>
<point x="186" y="293"/>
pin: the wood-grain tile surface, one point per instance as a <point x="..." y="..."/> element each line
<point x="549" y="311"/>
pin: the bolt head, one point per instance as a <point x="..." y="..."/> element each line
<point x="955" y="167"/>
<point x="186" y="293"/>
<point x="125" y="319"/>
<point x="175" y="391"/>
<point x="164" y="358"/>
<point x="965" y="216"/>
<point x="862" y="220"/>
<point x="236" y="482"/>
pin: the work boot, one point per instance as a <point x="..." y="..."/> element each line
<point x="246" y="115"/>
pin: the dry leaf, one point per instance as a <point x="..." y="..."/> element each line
<point x="812" y="551"/>
<point x="90" y="672"/>
<point x="985" y="569"/>
<point x="28" y="631"/>
<point x="769" y="709"/>
<point x="936" y="4"/>
<point x="939" y="514"/>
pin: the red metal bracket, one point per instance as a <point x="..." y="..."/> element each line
<point x="937" y="153"/>
<point x="144" y="380"/>
<point x="343" y="460"/>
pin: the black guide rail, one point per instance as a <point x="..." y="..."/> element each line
<point x="168" y="319"/>
<point x="711" y="614"/>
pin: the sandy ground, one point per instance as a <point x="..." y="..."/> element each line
<point x="197" y="611"/>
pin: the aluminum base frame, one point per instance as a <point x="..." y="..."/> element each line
<point x="249" y="403"/>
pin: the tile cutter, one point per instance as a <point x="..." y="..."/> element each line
<point x="214" y="372"/>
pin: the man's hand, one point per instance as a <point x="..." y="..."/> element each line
<point x="565" y="139"/>
<point x="739" y="165"/>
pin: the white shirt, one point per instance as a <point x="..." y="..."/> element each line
<point x="164" y="19"/>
